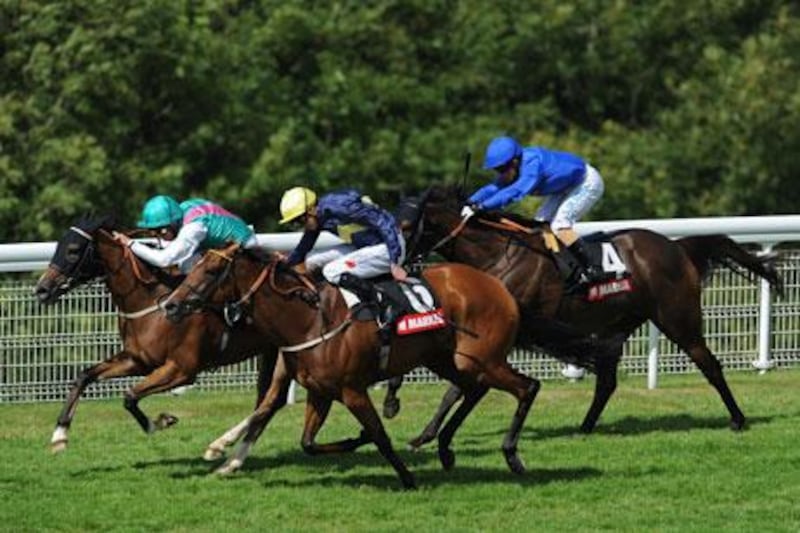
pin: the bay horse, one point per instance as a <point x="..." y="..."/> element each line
<point x="666" y="276"/>
<point x="336" y="357"/>
<point x="169" y="355"/>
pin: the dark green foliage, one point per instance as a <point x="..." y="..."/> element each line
<point x="688" y="108"/>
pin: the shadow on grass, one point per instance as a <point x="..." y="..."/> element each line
<point x="339" y="470"/>
<point x="632" y="426"/>
<point x="436" y="478"/>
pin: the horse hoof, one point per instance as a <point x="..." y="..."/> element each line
<point x="515" y="464"/>
<point x="391" y="408"/>
<point x="447" y="457"/>
<point x="408" y="482"/>
<point x="228" y="468"/>
<point x="58" y="447"/>
<point x="212" y="454"/>
<point x="416" y="445"/>
<point x="737" y="425"/>
<point x="165" y="420"/>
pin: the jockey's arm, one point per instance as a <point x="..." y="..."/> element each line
<point x="307" y="241"/>
<point x="177" y="251"/>
<point x="374" y="216"/>
<point x="529" y="179"/>
<point x="483" y="193"/>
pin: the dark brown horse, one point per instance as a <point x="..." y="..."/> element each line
<point x="666" y="276"/>
<point x="336" y="358"/>
<point x="169" y="355"/>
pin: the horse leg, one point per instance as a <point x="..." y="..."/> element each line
<point x="604" y="387"/>
<point x="450" y="398"/>
<point x="215" y="450"/>
<point x="317" y="409"/>
<point x="273" y="401"/>
<point x="118" y="365"/>
<point x="359" y="404"/>
<point x="712" y="370"/>
<point x="512" y="437"/>
<point x="391" y="403"/>
<point x="472" y="396"/>
<point x="502" y="376"/>
<point x="165" y="377"/>
<point x="685" y="329"/>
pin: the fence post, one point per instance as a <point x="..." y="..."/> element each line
<point x="763" y="363"/>
<point x="652" y="356"/>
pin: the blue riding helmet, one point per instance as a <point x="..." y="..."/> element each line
<point x="500" y="151"/>
<point x="160" y="211"/>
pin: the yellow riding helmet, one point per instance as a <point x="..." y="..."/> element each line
<point x="296" y="202"/>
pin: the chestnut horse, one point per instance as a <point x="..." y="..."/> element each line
<point x="336" y="357"/>
<point x="666" y="276"/>
<point x="168" y="355"/>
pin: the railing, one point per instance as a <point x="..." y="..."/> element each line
<point x="42" y="349"/>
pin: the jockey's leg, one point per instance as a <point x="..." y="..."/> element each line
<point x="576" y="202"/>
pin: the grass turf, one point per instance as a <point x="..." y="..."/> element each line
<point x="659" y="460"/>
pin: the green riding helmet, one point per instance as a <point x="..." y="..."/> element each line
<point x="160" y="211"/>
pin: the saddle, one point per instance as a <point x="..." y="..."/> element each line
<point x="406" y="307"/>
<point x="601" y="252"/>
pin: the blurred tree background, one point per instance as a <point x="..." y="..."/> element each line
<point x="687" y="107"/>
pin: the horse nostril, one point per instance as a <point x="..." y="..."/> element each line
<point x="173" y="311"/>
<point x="41" y="292"/>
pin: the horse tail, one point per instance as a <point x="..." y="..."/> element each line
<point x="706" y="251"/>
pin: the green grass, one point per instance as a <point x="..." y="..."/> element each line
<point x="660" y="460"/>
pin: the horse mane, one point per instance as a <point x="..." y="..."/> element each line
<point x="452" y="197"/>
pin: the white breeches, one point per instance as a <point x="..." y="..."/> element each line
<point x="564" y="209"/>
<point x="366" y="262"/>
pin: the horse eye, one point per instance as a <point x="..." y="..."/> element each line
<point x="73" y="253"/>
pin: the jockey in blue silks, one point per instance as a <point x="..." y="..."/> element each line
<point x="188" y="228"/>
<point x="570" y="187"/>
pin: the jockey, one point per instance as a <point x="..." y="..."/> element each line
<point x="189" y="227"/>
<point x="569" y="185"/>
<point x="373" y="244"/>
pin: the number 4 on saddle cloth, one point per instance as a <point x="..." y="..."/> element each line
<point x="601" y="251"/>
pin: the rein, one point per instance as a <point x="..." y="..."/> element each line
<point x="504" y="224"/>
<point x="136" y="268"/>
<point x="269" y="272"/>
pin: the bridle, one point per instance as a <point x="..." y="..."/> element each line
<point x="232" y="311"/>
<point x="73" y="275"/>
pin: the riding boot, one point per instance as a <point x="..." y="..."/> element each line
<point x="360" y="287"/>
<point x="386" y="321"/>
<point x="591" y="272"/>
<point x="385" y="326"/>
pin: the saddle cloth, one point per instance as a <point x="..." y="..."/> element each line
<point x="603" y="252"/>
<point x="411" y="304"/>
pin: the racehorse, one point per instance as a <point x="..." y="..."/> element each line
<point x="335" y="357"/>
<point x="169" y="355"/>
<point x="666" y="277"/>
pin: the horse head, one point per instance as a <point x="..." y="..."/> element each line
<point x="75" y="260"/>
<point x="426" y="218"/>
<point x="477" y="241"/>
<point x="210" y="280"/>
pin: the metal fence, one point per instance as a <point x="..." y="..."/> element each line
<point x="44" y="348"/>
